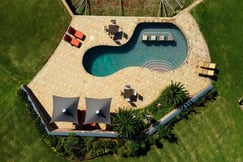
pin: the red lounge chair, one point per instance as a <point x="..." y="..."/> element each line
<point x="92" y="124"/>
<point x="72" y="41"/>
<point x="76" y="33"/>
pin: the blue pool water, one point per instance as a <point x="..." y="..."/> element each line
<point x="162" y="56"/>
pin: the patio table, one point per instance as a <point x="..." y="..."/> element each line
<point x="128" y="93"/>
<point x="113" y="29"/>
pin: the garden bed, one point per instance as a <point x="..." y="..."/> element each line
<point x="128" y="8"/>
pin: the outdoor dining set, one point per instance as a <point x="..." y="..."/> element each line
<point x="74" y="37"/>
<point x="130" y="95"/>
<point x="115" y="31"/>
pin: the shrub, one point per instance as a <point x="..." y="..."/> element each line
<point x="127" y="123"/>
<point x="174" y="95"/>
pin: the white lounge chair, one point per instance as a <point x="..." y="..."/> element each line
<point x="161" y="38"/>
<point x="207" y="72"/>
<point x="153" y="37"/>
<point x="208" y="65"/>
<point x="145" y="37"/>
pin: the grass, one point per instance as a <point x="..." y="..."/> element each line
<point x="31" y="30"/>
<point x="215" y="132"/>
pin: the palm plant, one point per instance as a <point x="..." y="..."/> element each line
<point x="175" y="94"/>
<point x="127" y="124"/>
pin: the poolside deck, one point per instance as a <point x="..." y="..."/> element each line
<point x="64" y="75"/>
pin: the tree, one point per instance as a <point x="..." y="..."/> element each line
<point x="127" y="124"/>
<point x="175" y="94"/>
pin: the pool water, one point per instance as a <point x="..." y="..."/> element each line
<point x="157" y="55"/>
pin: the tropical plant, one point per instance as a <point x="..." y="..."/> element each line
<point x="68" y="144"/>
<point x="127" y="123"/>
<point x="175" y="94"/>
<point x="73" y="146"/>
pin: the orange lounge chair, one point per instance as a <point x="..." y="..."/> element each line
<point x="76" y="33"/>
<point x="93" y="124"/>
<point x="207" y="72"/>
<point x="72" y="41"/>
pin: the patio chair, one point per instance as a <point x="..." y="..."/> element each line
<point x="72" y="41"/>
<point x="106" y="29"/>
<point x="206" y="72"/>
<point x="208" y="65"/>
<point x="76" y="33"/>
<point x="113" y="21"/>
<point x="122" y="93"/>
<point x="134" y="93"/>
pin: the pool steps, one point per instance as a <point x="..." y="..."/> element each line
<point x="159" y="65"/>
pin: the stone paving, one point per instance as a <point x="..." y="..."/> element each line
<point x="64" y="74"/>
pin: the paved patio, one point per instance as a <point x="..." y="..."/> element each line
<point x="64" y="74"/>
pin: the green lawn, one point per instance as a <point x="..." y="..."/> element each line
<point x="30" y="31"/>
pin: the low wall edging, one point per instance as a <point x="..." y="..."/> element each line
<point x="164" y="120"/>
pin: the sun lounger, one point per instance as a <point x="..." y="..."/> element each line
<point x="157" y="36"/>
<point x="161" y="38"/>
<point x="72" y="41"/>
<point x="76" y="33"/>
<point x="208" y="65"/>
<point x="207" y="72"/>
<point x="170" y="38"/>
<point x="145" y="37"/>
<point x="153" y="37"/>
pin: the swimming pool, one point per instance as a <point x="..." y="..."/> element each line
<point x="156" y="55"/>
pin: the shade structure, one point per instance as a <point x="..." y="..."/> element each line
<point x="65" y="109"/>
<point x="97" y="110"/>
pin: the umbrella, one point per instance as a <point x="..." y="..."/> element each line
<point x="97" y="110"/>
<point x="65" y="109"/>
